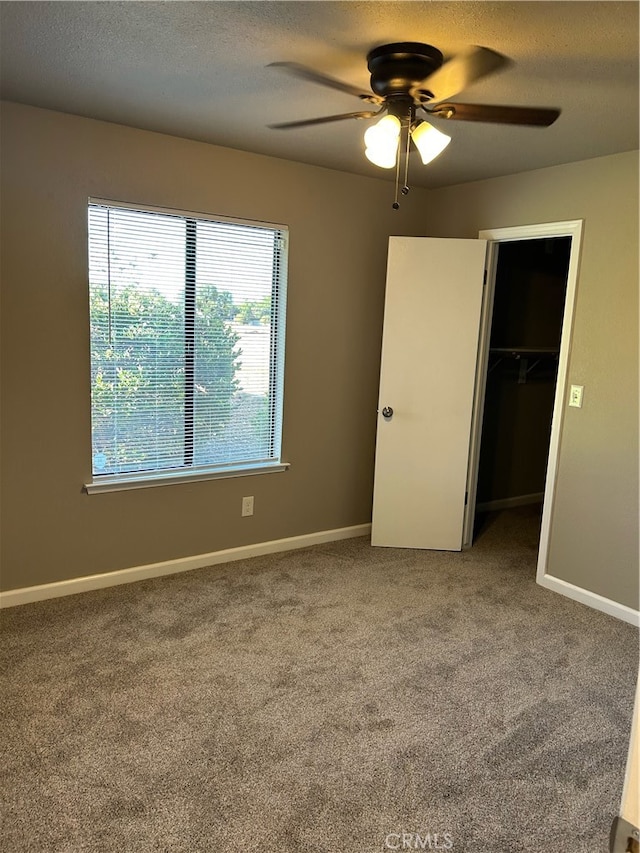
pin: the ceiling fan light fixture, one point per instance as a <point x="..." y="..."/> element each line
<point x="381" y="142"/>
<point x="429" y="141"/>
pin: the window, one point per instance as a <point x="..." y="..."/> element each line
<point x="187" y="345"/>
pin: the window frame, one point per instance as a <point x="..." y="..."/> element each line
<point x="195" y="473"/>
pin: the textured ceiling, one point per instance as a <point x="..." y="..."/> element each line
<point x="197" y="69"/>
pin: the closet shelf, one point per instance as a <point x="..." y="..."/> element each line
<point x="518" y="352"/>
<point x="528" y="357"/>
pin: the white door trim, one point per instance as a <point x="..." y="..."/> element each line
<point x="484" y="336"/>
<point x="571" y="228"/>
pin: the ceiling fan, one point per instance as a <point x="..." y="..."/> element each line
<point x="409" y="78"/>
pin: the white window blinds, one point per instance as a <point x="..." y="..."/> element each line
<point x="187" y="341"/>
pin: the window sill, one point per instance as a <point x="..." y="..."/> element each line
<point x="124" y="482"/>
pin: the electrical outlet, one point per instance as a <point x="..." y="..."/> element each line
<point x="575" y="396"/>
<point x="247" y="506"/>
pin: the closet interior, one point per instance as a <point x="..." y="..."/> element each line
<point x="526" y="327"/>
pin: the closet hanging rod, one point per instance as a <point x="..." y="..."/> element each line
<point x="517" y="352"/>
<point x="522" y="355"/>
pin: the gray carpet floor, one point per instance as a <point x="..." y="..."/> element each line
<point x="326" y="700"/>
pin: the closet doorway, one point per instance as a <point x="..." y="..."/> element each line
<point x="522" y="372"/>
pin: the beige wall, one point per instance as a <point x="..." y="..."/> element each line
<point x="594" y="533"/>
<point x="51" y="164"/>
<point x="339" y="224"/>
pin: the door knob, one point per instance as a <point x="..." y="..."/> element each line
<point x="387" y="412"/>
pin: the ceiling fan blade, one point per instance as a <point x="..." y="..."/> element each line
<point x="307" y="122"/>
<point x="459" y="73"/>
<point x="305" y="73"/>
<point x="533" y="116"/>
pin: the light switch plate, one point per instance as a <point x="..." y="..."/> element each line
<point x="575" y="396"/>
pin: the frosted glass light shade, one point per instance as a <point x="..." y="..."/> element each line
<point x="381" y="141"/>
<point x="429" y="141"/>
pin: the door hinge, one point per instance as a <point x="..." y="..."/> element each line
<point x="484" y="280"/>
<point x="466" y="498"/>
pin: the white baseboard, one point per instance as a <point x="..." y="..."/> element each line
<point x="591" y="599"/>
<point x="13" y="597"/>
<point x="509" y="503"/>
<point x="26" y="595"/>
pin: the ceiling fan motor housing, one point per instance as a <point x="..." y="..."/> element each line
<point x="398" y="68"/>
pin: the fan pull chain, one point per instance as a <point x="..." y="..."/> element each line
<point x="396" y="203"/>
<point x="405" y="188"/>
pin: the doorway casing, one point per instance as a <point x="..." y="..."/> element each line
<point x="495" y="236"/>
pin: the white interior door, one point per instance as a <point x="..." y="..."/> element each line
<point x="429" y="352"/>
